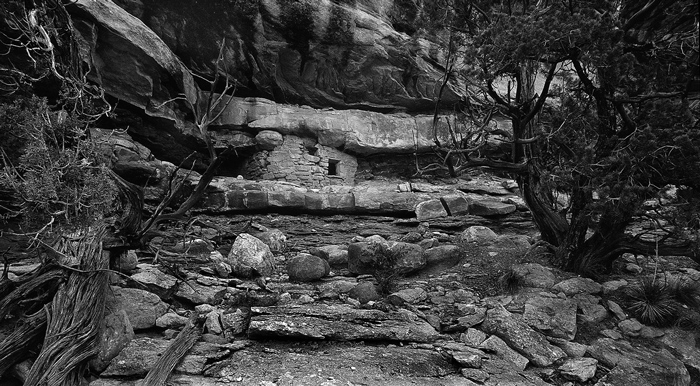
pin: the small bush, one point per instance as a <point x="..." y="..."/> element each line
<point x="652" y="302"/>
<point x="510" y="282"/>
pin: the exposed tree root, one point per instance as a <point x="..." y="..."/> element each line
<point x="173" y="354"/>
<point x="40" y="286"/>
<point x="74" y="317"/>
<point x="15" y="347"/>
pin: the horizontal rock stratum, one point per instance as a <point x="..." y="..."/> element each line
<point x="354" y="131"/>
<point x="229" y="194"/>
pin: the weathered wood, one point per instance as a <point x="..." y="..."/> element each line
<point x="17" y="346"/>
<point x="184" y="341"/>
<point x="74" y="316"/>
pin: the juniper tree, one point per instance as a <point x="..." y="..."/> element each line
<point x="603" y="101"/>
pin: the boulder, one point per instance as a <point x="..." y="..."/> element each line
<point x="250" y="257"/>
<point x="362" y="257"/>
<point x="142" y="307"/>
<point x="171" y="320"/>
<point x="551" y="315"/>
<point x="336" y="255"/>
<point x="572" y="349"/>
<point x="473" y="315"/>
<point x="470" y="360"/>
<point x="649" y="365"/>
<point x="478" y="376"/>
<point x="685" y="346"/>
<point x="155" y="280"/>
<point x="268" y="139"/>
<point x="335" y="288"/>
<point x="497" y="346"/>
<point x="441" y="257"/>
<point x="410" y="256"/>
<point x="365" y="292"/>
<point x="127" y="262"/>
<point x="630" y="327"/>
<point x="115" y="334"/>
<point x="479" y="235"/>
<point x="521" y="337"/>
<point x="235" y="322"/>
<point x="305" y="267"/>
<point x="430" y="209"/>
<point x="212" y="323"/>
<point x="455" y="204"/>
<point x="579" y="369"/>
<point x="274" y="239"/>
<point x="613" y="286"/>
<point x="535" y="275"/>
<point x="616" y="310"/>
<point x="591" y="309"/>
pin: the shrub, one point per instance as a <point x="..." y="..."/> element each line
<point x="54" y="168"/>
<point x="651" y="301"/>
<point x="510" y="281"/>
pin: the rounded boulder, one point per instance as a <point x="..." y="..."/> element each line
<point x="305" y="267"/>
<point x="268" y="139"/>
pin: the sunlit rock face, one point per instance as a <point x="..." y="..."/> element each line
<point x="343" y="54"/>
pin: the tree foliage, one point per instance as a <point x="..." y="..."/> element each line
<point x="55" y="169"/>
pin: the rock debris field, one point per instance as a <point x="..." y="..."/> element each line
<point x="303" y="300"/>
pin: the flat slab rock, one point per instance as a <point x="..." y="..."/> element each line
<point x="337" y="365"/>
<point x="338" y="322"/>
<point x="644" y="365"/>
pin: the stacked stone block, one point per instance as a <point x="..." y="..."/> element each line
<point x="296" y="161"/>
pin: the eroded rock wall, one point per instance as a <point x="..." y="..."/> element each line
<point x="341" y="53"/>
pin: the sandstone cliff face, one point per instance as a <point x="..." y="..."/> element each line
<point x="344" y="54"/>
<point x="341" y="53"/>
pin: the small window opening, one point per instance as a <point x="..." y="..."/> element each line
<point x="333" y="167"/>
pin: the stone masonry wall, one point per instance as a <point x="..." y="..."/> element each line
<point x="304" y="162"/>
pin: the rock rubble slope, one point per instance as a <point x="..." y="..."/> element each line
<point x="445" y="324"/>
